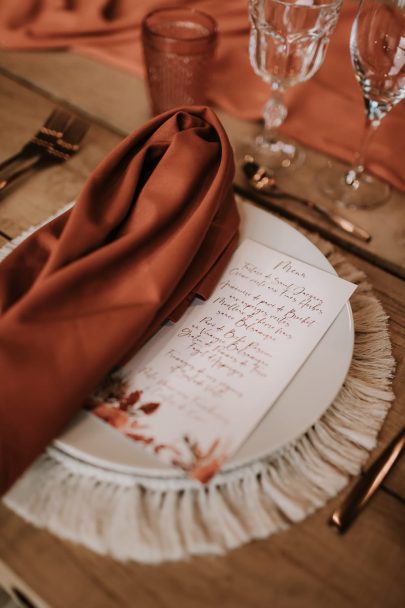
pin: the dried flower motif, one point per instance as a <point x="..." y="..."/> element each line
<point x="163" y="446"/>
<point x="200" y="464"/>
<point x="112" y="415"/>
<point x="115" y="404"/>
<point x="206" y="472"/>
<point x="131" y="399"/>
<point x="141" y="438"/>
<point x="149" y="408"/>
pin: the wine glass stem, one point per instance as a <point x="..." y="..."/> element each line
<point x="274" y="113"/>
<point x="355" y="172"/>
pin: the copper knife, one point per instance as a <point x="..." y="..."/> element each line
<point x="368" y="484"/>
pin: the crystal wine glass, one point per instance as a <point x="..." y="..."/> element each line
<point x="288" y="41"/>
<point x="377" y="48"/>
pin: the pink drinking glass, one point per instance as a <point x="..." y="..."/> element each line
<point x="178" y="45"/>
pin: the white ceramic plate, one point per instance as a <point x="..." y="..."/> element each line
<point x="302" y="403"/>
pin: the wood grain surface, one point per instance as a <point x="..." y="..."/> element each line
<point x="309" y="565"/>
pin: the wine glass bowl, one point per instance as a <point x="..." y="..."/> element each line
<point x="377" y="50"/>
<point x="288" y="41"/>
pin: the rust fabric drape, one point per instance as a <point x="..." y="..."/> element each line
<point x="325" y="113"/>
<point x="154" y="225"/>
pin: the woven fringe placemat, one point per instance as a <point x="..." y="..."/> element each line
<point x="152" y="520"/>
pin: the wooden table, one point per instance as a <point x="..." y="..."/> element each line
<point x="307" y="566"/>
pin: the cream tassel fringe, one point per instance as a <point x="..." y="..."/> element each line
<point x="153" y="520"/>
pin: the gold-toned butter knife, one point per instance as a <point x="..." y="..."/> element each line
<point x="368" y="484"/>
<point x="261" y="180"/>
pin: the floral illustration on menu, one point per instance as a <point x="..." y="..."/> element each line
<point x="125" y="410"/>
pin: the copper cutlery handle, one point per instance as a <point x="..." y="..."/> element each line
<point x="368" y="484"/>
<point x="11" y="159"/>
<point x="4" y="183"/>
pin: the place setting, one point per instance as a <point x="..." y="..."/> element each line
<point x="191" y="359"/>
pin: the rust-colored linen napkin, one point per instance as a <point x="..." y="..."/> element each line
<point x="325" y="112"/>
<point x="154" y="225"/>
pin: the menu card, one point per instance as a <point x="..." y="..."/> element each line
<point x="199" y="387"/>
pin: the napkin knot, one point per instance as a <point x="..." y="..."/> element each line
<point x="154" y="226"/>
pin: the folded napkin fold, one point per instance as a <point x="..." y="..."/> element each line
<point x="326" y="112"/>
<point x="154" y="225"/>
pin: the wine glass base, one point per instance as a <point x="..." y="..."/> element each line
<point x="367" y="191"/>
<point x="279" y="155"/>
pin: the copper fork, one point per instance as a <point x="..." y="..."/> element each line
<point x="50" y="132"/>
<point x="58" y="151"/>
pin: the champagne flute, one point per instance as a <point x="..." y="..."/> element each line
<point x="377" y="49"/>
<point x="288" y="41"/>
